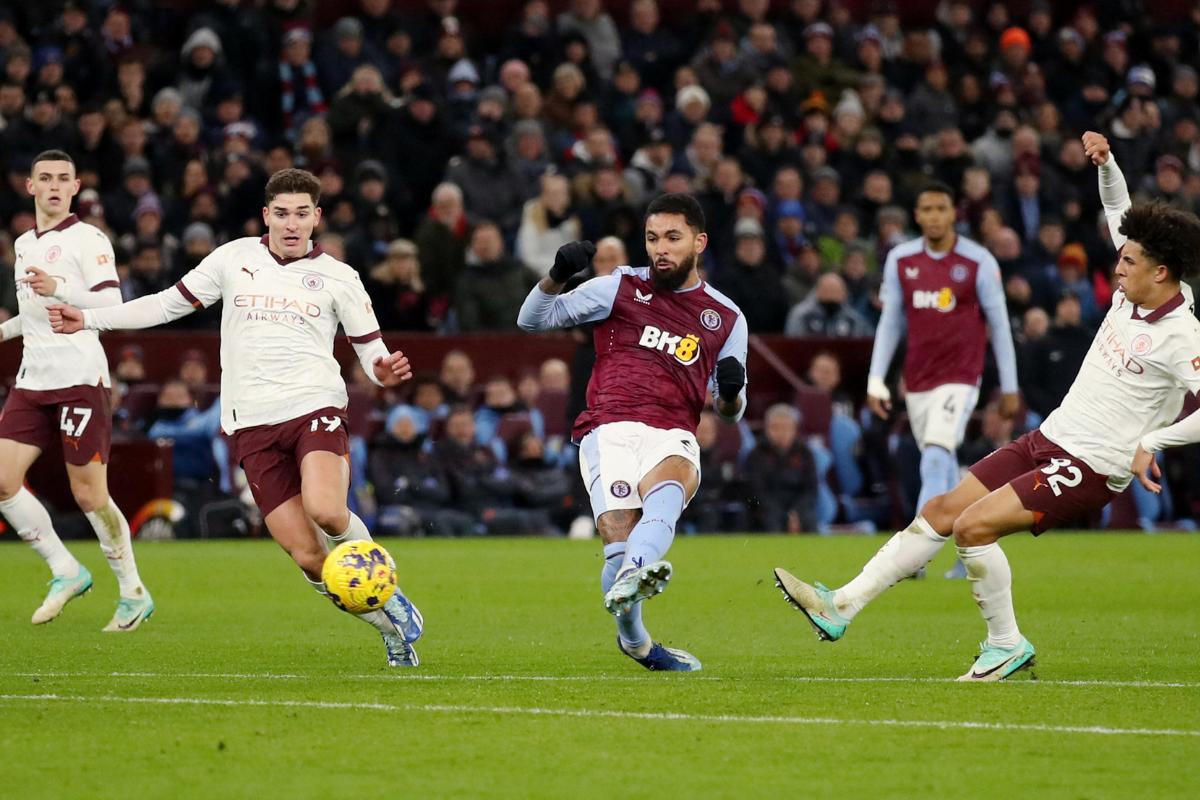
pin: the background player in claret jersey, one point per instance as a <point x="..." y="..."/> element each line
<point x="946" y="291"/>
<point x="61" y="398"/>
<point x="282" y="394"/>
<point x="1117" y="414"/>
<point x="665" y="339"/>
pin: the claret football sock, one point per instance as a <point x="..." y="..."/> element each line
<point x="905" y="553"/>
<point x="651" y="537"/>
<point x="630" y="628"/>
<point x="29" y="518"/>
<point x="112" y="529"/>
<point x="991" y="586"/>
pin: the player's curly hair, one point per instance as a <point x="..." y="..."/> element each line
<point x="1167" y="236"/>
<point x="679" y="203"/>
<point x="294" y="181"/>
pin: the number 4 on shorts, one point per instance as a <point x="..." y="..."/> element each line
<point x="68" y="425"/>
<point x="330" y="423"/>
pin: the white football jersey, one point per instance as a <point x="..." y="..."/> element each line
<point x="278" y="322"/>
<point x="80" y="257"/>
<point x="1132" y="381"/>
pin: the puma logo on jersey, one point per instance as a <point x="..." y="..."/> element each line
<point x="644" y="299"/>
<point x="250" y="272"/>
<point x="938" y="299"/>
<point x="685" y="349"/>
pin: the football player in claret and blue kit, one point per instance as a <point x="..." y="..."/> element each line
<point x="665" y="340"/>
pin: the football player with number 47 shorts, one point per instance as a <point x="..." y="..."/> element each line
<point x="61" y="397"/>
<point x="1118" y="413"/>
<point x="282" y="395"/>
<point x="665" y="339"/>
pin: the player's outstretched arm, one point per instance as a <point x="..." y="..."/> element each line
<point x="144" y="312"/>
<point x="1114" y="192"/>
<point x="545" y="309"/>
<point x="728" y="381"/>
<point x="10" y="328"/>
<point x="43" y="284"/>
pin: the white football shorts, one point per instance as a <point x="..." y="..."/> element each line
<point x="940" y="415"/>
<point x="615" y="457"/>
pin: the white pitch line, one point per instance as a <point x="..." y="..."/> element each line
<point x="417" y="676"/>
<point x="584" y="713"/>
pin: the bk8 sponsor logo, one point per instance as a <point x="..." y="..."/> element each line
<point x="938" y="299"/>
<point x="685" y="349"/>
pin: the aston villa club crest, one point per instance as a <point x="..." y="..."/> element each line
<point x="959" y="273"/>
<point x="620" y="489"/>
<point x="710" y="319"/>
<point x="313" y="283"/>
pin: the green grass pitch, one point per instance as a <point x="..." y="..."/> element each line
<point x="247" y="685"/>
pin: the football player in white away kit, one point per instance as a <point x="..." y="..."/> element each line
<point x="1118" y="413"/>
<point x="282" y="395"/>
<point x="61" y="397"/>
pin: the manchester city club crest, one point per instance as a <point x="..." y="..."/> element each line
<point x="1142" y="344"/>
<point x="619" y="489"/>
<point x="959" y="273"/>
<point x="710" y="319"/>
<point x="313" y="282"/>
<point x="53" y="253"/>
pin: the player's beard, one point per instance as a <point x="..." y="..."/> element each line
<point x="676" y="277"/>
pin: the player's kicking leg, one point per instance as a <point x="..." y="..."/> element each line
<point x="29" y="518"/>
<point x="634" y="567"/>
<point x="89" y="485"/>
<point x="324" y="482"/>
<point x="830" y="611"/>
<point x="976" y="534"/>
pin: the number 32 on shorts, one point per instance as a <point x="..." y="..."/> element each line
<point x="1070" y="475"/>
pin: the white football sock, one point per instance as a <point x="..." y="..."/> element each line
<point x="29" y="518"/>
<point x="112" y="530"/>
<point x="905" y="553"/>
<point x="991" y="586"/>
<point x="356" y="531"/>
<point x="376" y="619"/>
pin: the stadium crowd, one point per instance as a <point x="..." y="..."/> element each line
<point x="454" y="161"/>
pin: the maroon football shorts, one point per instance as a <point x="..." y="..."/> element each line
<point x="80" y="417"/>
<point x="1055" y="485"/>
<point x="271" y="454"/>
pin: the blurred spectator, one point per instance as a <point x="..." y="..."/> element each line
<point x="413" y="492"/>
<point x="193" y="434"/>
<point x="782" y="475"/>
<point x="500" y="402"/>
<point x="457" y="375"/>
<point x="491" y="188"/>
<point x="130" y="367"/>
<point x="588" y="18"/>
<point x="547" y="223"/>
<point x="397" y="290"/>
<point x="713" y="508"/>
<point x="541" y="486"/>
<point x="1052" y="361"/>
<point x="752" y="282"/>
<point x="442" y="245"/>
<point x="996" y="432"/>
<point x="294" y="81"/>
<point x="492" y="286"/>
<point x="826" y="312"/>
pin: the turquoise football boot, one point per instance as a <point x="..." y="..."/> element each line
<point x="131" y="613"/>
<point x="997" y="663"/>
<point x="816" y="602"/>
<point x="62" y="591"/>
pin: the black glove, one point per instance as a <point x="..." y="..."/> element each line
<point x="731" y="377"/>
<point x="571" y="258"/>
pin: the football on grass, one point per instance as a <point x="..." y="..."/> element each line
<point x="359" y="576"/>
